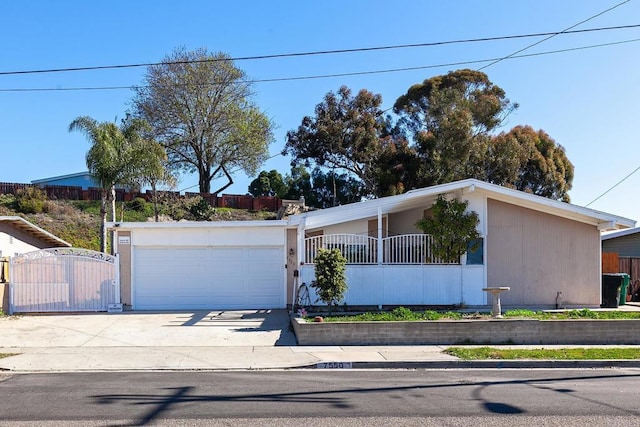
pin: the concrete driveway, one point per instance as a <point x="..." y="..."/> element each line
<point x="215" y="328"/>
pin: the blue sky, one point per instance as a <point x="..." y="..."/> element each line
<point x="586" y="100"/>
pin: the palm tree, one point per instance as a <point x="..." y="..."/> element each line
<point x="112" y="158"/>
<point x="153" y="170"/>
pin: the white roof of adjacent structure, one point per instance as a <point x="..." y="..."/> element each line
<point x="195" y="224"/>
<point x="24" y="225"/>
<point x="417" y="198"/>
<point x="620" y="233"/>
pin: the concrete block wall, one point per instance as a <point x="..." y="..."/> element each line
<point x="498" y="331"/>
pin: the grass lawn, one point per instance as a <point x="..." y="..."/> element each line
<point x="484" y="353"/>
<point x="404" y="314"/>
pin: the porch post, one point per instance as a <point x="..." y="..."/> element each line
<point x="300" y="250"/>
<point x="380" y="248"/>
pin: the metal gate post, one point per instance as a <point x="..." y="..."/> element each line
<point x="117" y="278"/>
<point x="10" y="285"/>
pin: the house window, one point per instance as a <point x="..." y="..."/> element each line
<point x="475" y="252"/>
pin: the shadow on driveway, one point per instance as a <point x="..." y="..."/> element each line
<point x="247" y="321"/>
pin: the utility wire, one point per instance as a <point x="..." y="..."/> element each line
<point x="324" y="76"/>
<point x="614" y="186"/>
<point x="565" y="31"/>
<point x="230" y="172"/>
<point x="327" y="52"/>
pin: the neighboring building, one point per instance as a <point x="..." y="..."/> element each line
<point x="80" y="179"/>
<point x="19" y="236"/>
<point x="626" y="243"/>
<point x="535" y="245"/>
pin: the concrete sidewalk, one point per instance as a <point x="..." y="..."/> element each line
<point x="206" y="340"/>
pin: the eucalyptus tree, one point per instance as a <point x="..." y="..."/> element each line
<point x="344" y="133"/>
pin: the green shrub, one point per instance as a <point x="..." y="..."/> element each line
<point x="331" y="283"/>
<point x="201" y="210"/>
<point x="138" y="204"/>
<point x="30" y="200"/>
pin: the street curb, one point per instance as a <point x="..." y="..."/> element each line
<point x="491" y="364"/>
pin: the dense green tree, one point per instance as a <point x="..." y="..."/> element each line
<point x="200" y="108"/>
<point x="451" y="118"/>
<point x="112" y="159"/>
<point x="332" y="189"/>
<point x="343" y="134"/>
<point x="546" y="171"/>
<point x="451" y="227"/>
<point x="268" y="184"/>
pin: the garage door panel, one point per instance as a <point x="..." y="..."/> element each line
<point x="208" y="277"/>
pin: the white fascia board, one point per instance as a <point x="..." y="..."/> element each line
<point x="193" y="224"/>
<point x="619" y="233"/>
<point x="415" y="198"/>
<point x="555" y="207"/>
<point x="369" y="208"/>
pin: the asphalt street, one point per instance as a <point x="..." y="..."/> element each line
<point x="340" y="397"/>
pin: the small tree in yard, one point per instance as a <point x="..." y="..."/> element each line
<point x="451" y="228"/>
<point x="330" y="284"/>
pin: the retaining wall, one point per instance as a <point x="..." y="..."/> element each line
<point x="495" y="331"/>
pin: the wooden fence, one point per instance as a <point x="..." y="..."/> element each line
<point x="65" y="192"/>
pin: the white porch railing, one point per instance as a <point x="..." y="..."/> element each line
<point x="358" y="249"/>
<point x="409" y="249"/>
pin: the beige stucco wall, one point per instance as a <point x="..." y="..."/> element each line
<point x="350" y="227"/>
<point x="538" y="255"/>
<point x="405" y="222"/>
<point x="14" y="241"/>
<point x="124" y="251"/>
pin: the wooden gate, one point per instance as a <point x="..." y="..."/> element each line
<point x="63" y="280"/>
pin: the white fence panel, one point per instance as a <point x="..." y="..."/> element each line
<point x="62" y="280"/>
<point x="407" y="284"/>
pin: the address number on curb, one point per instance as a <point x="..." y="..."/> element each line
<point x="334" y="365"/>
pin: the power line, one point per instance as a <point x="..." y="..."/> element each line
<point x="565" y="31"/>
<point x="324" y="76"/>
<point x="614" y="186"/>
<point x="230" y="172"/>
<point x="327" y="52"/>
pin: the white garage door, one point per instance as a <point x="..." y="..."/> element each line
<point x="170" y="278"/>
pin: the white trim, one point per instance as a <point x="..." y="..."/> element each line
<point x="194" y="224"/>
<point x="620" y="233"/>
<point x="416" y="198"/>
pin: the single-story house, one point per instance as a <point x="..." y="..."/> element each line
<point x="621" y="254"/>
<point x="626" y="243"/>
<point x="19" y="236"/>
<point x="80" y="179"/>
<point x="536" y="246"/>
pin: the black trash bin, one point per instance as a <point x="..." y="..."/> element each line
<point x="611" y="284"/>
